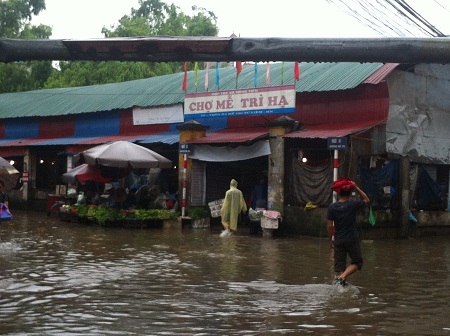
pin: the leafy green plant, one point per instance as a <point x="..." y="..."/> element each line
<point x="169" y="215"/>
<point x="91" y="210"/>
<point x="144" y="214"/>
<point x="127" y="214"/>
<point x="198" y="213"/>
<point x="155" y="214"/>
<point x="82" y="210"/>
<point x="103" y="215"/>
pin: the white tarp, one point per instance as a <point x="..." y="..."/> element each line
<point x="226" y="153"/>
<point x="419" y="114"/>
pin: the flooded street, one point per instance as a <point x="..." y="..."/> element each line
<point x="59" y="278"/>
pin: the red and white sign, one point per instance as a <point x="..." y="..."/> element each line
<point x="267" y="100"/>
<point x="25" y="177"/>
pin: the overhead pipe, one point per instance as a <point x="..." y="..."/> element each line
<point x="205" y="48"/>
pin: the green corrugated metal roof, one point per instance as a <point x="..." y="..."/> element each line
<point x="166" y="90"/>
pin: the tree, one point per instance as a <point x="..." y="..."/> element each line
<point x="14" y="14"/>
<point x="152" y="18"/>
<point x="15" y="17"/>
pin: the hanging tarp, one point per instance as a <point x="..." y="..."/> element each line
<point x="381" y="185"/>
<point x="225" y="153"/>
<point x="309" y="184"/>
<point x="431" y="195"/>
<point x="417" y="126"/>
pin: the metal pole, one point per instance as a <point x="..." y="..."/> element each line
<point x="335" y="177"/>
<point x="335" y="171"/>
<point x="183" y="201"/>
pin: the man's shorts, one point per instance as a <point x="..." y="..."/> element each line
<point x="341" y="249"/>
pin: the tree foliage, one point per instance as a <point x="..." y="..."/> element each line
<point x="151" y="18"/>
<point x="15" y="14"/>
<point x="15" y="17"/>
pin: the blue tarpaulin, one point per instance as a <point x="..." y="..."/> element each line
<point x="374" y="181"/>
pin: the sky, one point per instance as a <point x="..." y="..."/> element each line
<point x="84" y="19"/>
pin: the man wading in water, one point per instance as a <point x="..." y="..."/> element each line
<point x="346" y="239"/>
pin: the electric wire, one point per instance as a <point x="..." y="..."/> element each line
<point x="389" y="17"/>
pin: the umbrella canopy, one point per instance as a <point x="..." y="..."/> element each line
<point x="84" y="173"/>
<point x="8" y="174"/>
<point x="124" y="154"/>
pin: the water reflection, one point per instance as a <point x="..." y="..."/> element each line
<point x="60" y="278"/>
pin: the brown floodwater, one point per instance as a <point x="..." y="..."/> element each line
<point x="59" y="278"/>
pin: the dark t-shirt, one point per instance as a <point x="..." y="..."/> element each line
<point x="344" y="216"/>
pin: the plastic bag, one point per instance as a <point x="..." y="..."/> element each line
<point x="310" y="206"/>
<point x="254" y="215"/>
<point x="372" y="219"/>
<point x="412" y="218"/>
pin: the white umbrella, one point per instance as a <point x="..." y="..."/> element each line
<point x="8" y="174"/>
<point x="124" y="154"/>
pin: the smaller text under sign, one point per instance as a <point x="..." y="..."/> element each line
<point x="184" y="149"/>
<point x="337" y="143"/>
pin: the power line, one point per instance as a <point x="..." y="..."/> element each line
<point x="389" y="17"/>
<point x="440" y="5"/>
<point x="415" y="15"/>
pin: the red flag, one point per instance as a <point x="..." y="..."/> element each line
<point x="238" y="68"/>
<point x="184" y="86"/>
<point x="297" y="71"/>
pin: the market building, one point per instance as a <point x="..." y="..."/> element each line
<point x="380" y="124"/>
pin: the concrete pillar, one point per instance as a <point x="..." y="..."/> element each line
<point x="188" y="131"/>
<point x="276" y="169"/>
<point x="405" y="197"/>
<point x="275" y="181"/>
<point x="26" y="170"/>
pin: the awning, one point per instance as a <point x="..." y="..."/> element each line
<point x="20" y="142"/>
<point x="227" y="154"/>
<point x="44" y="141"/>
<point x="233" y="135"/>
<point x="11" y="151"/>
<point x="170" y="138"/>
<point x="325" y="131"/>
<point x="165" y="137"/>
<point x="108" y="138"/>
<point x="62" y="141"/>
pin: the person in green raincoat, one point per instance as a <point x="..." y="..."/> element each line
<point x="233" y="205"/>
